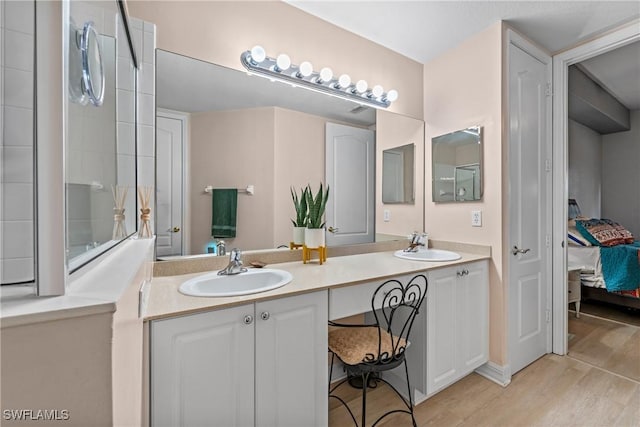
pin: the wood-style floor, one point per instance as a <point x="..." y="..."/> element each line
<point x="553" y="391"/>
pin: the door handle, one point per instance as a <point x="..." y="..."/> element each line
<point x="333" y="229"/>
<point x="517" y="251"/>
<point x="175" y="229"/>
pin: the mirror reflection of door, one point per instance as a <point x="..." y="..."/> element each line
<point x="170" y="130"/>
<point x="393" y="182"/>
<point x="350" y="175"/>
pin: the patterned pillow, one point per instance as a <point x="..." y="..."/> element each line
<point x="599" y="232"/>
<point x="626" y="234"/>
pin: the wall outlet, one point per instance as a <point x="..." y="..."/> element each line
<point x="476" y="218"/>
<point x="386" y="215"/>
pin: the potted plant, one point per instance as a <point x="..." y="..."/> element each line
<point x="314" y="234"/>
<point x="302" y="212"/>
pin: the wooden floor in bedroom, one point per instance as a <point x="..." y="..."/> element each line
<point x="607" y="344"/>
<point x="553" y="391"/>
<point x="610" y="311"/>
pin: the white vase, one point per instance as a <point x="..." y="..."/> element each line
<point x="314" y="237"/>
<point x="298" y="235"/>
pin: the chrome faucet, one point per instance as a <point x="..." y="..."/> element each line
<point x="235" y="264"/>
<point x="418" y="240"/>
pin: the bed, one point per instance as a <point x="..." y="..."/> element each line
<point x="592" y="276"/>
<point x="610" y="257"/>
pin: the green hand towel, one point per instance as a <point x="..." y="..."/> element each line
<point x="223" y="212"/>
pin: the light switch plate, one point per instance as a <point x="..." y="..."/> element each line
<point x="387" y="215"/>
<point x="476" y="218"/>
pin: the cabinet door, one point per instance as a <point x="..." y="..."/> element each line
<point x="291" y="361"/>
<point x="473" y="316"/>
<point x="202" y="369"/>
<point x="442" y="300"/>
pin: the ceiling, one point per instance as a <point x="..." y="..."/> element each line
<point x="422" y="30"/>
<point x="618" y="71"/>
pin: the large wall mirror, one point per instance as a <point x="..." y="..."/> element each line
<point x="457" y="166"/>
<point x="100" y="171"/>
<point x="221" y="128"/>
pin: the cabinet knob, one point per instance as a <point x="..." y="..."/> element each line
<point x="248" y="319"/>
<point x="265" y="315"/>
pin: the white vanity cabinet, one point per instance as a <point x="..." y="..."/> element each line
<point x="457" y="323"/>
<point x="257" y="364"/>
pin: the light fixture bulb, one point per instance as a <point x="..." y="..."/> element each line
<point x="258" y="54"/>
<point x="392" y="95"/>
<point x="377" y="91"/>
<point x="344" y="81"/>
<point x="361" y="86"/>
<point x="326" y="74"/>
<point x="283" y="62"/>
<point x="306" y="69"/>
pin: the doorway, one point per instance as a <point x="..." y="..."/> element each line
<point x="562" y="62"/>
<point x="171" y="218"/>
<point x="350" y="175"/>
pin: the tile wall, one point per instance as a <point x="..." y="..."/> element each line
<point x="16" y="151"/>
<point x="144" y="35"/>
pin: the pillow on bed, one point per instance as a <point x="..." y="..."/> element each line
<point x="599" y="233"/>
<point x="573" y="235"/>
<point x="626" y="234"/>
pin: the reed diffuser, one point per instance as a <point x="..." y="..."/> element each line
<point x="144" y="194"/>
<point x="119" y="198"/>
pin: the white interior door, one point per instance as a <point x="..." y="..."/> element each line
<point x="529" y="202"/>
<point x="350" y="174"/>
<point x="169" y="142"/>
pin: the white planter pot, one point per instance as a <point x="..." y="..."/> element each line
<point x="314" y="237"/>
<point x="298" y="235"/>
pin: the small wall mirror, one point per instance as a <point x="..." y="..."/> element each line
<point x="457" y="166"/>
<point x="398" y="175"/>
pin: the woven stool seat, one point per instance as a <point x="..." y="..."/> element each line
<point x="370" y="349"/>
<point x="360" y="344"/>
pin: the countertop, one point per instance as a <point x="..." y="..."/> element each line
<point x="166" y="301"/>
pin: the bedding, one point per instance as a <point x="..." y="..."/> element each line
<point x="593" y="274"/>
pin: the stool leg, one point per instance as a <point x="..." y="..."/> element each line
<point x="365" y="385"/>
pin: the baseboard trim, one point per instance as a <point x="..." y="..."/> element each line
<point x="500" y="375"/>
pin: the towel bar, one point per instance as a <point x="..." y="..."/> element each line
<point x="249" y="190"/>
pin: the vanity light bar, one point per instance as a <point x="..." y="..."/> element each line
<point x="303" y="75"/>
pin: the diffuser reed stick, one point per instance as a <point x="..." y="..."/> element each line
<point x="119" y="198"/>
<point x="144" y="194"/>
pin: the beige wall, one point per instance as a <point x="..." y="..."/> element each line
<point x="275" y="149"/>
<point x="233" y="149"/>
<point x="394" y="130"/>
<point x="463" y="88"/>
<point x="219" y="31"/>
<point x="299" y="160"/>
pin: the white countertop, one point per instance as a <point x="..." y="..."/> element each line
<point x="166" y="301"/>
<point x="91" y="291"/>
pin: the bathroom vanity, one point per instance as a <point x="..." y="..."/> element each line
<point x="262" y="359"/>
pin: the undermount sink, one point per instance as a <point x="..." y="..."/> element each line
<point x="250" y="282"/>
<point x="428" y="255"/>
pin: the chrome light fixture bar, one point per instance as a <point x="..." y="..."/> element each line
<point x="280" y="68"/>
